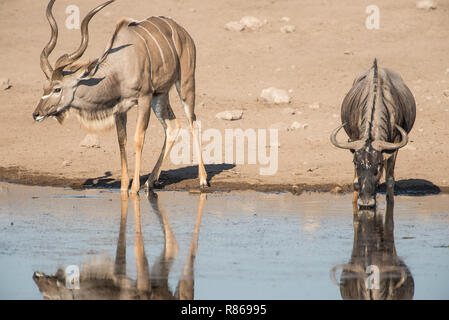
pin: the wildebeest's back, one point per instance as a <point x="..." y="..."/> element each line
<point x="377" y="101"/>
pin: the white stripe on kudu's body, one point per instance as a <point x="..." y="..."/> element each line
<point x="135" y="70"/>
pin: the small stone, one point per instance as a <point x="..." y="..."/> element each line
<point x="336" y="190"/>
<point x="426" y="4"/>
<point x="289" y="28"/>
<point x="348" y="53"/>
<point x="192" y="10"/>
<point x="446" y="93"/>
<point x="296" y="190"/>
<point x="90" y="141"/>
<point x="230" y="115"/>
<point x="4" y="84"/>
<point x="66" y="163"/>
<point x="314" y="106"/>
<point x="252" y="23"/>
<point x="234" y="26"/>
<point x="296" y="125"/>
<point x="285" y="19"/>
<point x="274" y="95"/>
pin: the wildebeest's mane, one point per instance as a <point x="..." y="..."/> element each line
<point x="356" y="103"/>
<point x="375" y="104"/>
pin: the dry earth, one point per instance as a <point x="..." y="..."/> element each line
<point x="317" y="63"/>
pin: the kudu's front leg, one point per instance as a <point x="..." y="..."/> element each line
<point x="120" y="123"/>
<point x="143" y="117"/>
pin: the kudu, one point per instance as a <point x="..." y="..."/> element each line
<point x="104" y="279"/>
<point x="377" y="114"/>
<point x="374" y="251"/>
<point x="141" y="63"/>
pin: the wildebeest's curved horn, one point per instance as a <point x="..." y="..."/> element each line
<point x="383" y="145"/>
<point x="45" y="64"/>
<point x="353" y="268"/>
<point x="395" y="268"/>
<point x="354" y="145"/>
<point x="67" y="59"/>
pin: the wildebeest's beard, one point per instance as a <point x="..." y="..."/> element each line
<point x="368" y="162"/>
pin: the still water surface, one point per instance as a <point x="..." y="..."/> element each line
<point x="244" y="245"/>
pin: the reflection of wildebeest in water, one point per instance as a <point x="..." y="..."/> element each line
<point x="377" y="114"/>
<point x="107" y="280"/>
<point x="374" y="250"/>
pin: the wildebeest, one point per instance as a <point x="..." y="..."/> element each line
<point x="142" y="62"/>
<point x="388" y="277"/>
<point x="377" y="114"/>
<point x="104" y="279"/>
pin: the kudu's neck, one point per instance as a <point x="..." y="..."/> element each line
<point x="97" y="93"/>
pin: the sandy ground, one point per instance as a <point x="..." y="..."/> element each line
<point x="317" y="63"/>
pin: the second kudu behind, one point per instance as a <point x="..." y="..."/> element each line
<point x="141" y="63"/>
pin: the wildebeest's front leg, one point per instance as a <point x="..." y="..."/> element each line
<point x="356" y="190"/>
<point x="143" y="117"/>
<point x="389" y="175"/>
<point x="120" y="123"/>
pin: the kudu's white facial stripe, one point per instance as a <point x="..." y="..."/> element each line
<point x="50" y="94"/>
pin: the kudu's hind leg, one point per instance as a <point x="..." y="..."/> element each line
<point x="162" y="266"/>
<point x="120" y="123"/>
<point x="185" y="289"/>
<point x="143" y="117"/>
<point x="164" y="112"/>
<point x="186" y="92"/>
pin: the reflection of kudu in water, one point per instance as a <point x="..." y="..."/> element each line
<point x="374" y="246"/>
<point x="107" y="280"/>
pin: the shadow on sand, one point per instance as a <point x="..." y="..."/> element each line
<point x="412" y="187"/>
<point x="166" y="178"/>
